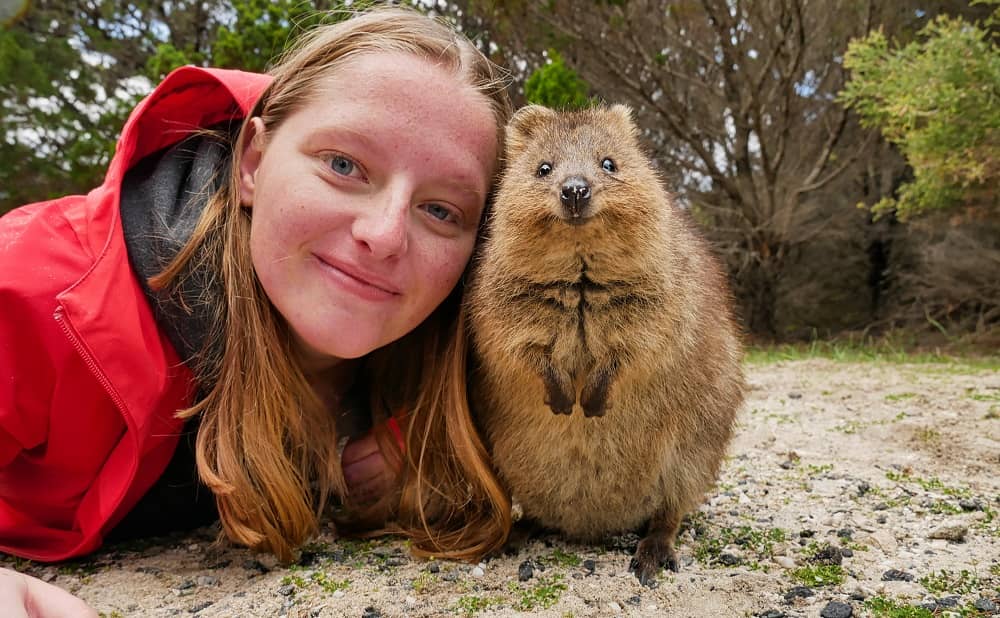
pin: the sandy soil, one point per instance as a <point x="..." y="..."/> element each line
<point x="840" y="479"/>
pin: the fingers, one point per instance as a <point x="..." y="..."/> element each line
<point x="22" y="596"/>
<point x="358" y="449"/>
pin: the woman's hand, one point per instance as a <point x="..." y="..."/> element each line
<point x="22" y="596"/>
<point x="368" y="475"/>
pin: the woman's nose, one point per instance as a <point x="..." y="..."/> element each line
<point x="382" y="228"/>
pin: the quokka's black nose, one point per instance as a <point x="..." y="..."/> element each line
<point x="575" y="195"/>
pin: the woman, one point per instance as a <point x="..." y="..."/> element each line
<point x="285" y="286"/>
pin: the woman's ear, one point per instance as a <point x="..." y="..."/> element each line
<point x="253" y="151"/>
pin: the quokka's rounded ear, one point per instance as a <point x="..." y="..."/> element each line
<point x="624" y="114"/>
<point x="525" y="123"/>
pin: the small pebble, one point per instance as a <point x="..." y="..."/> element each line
<point x="799" y="592"/>
<point x="785" y="562"/>
<point x="287" y="590"/>
<point x="895" y="575"/>
<point x="339" y="594"/>
<point x="371" y="612"/>
<point x="614" y="607"/>
<point x="771" y="613"/>
<point x="411" y="600"/>
<point x="970" y="505"/>
<point x="186" y="585"/>
<point x="589" y="566"/>
<point x="836" y="609"/>
<point x="434" y="567"/>
<point x="985" y="605"/>
<point x="952" y="532"/>
<point x="197" y="608"/>
<point x="478" y="572"/>
<point x="846" y="552"/>
<point x="636" y="600"/>
<point x="525" y="571"/>
<point x="795" y="395"/>
<point x="950" y="601"/>
<point x="207" y="580"/>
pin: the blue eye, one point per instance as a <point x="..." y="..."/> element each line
<point x="342" y="165"/>
<point x="438" y="211"/>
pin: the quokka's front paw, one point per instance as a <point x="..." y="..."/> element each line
<point x="560" y="403"/>
<point x="560" y="396"/>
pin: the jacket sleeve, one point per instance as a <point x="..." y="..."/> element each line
<point x="27" y="330"/>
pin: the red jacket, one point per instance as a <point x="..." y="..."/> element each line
<point x="88" y="382"/>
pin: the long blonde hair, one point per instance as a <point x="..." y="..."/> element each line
<point x="266" y="445"/>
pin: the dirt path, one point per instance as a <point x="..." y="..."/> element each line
<point x="839" y="481"/>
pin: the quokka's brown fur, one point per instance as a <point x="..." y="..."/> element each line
<point x="592" y="286"/>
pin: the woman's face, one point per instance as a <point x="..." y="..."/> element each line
<point x="366" y="201"/>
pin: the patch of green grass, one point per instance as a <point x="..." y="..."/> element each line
<point x="561" y="558"/>
<point x="817" y="470"/>
<point x="950" y="582"/>
<point x="941" y="507"/>
<point x="330" y="585"/>
<point x="929" y="484"/>
<point x="293" y="580"/>
<point x="993" y="413"/>
<point x="900" y="396"/>
<point x="896" y="347"/>
<point x="472" y="603"/>
<point x="760" y="542"/>
<point x="975" y="395"/>
<point x="542" y="595"/>
<point x="112" y="614"/>
<point x="423" y="581"/>
<point x="881" y="607"/>
<point x="927" y="435"/>
<point x="820" y="575"/>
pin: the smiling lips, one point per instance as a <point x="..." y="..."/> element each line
<point x="358" y="282"/>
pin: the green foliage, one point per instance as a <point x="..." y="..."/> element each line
<point x="257" y="35"/>
<point x="937" y="99"/>
<point x="881" y="607"/>
<point x="557" y="86"/>
<point x="820" y="575"/>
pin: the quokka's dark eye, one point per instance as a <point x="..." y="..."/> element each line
<point x="609" y="165"/>
<point x="544" y="170"/>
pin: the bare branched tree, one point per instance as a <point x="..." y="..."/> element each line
<point x="737" y="102"/>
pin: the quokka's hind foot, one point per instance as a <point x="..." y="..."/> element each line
<point x="656" y="549"/>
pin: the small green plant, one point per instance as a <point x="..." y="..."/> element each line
<point x="330" y="585"/>
<point x="422" y="582"/>
<point x="881" y="607"/>
<point x="112" y="614"/>
<point x="927" y="435"/>
<point x="820" y="575"/>
<point x="561" y="558"/>
<point x="977" y="396"/>
<point x="543" y="595"/>
<point x="818" y="470"/>
<point x="472" y="603"/>
<point x="900" y="396"/>
<point x="941" y="507"/>
<point x="293" y="580"/>
<point x="943" y="581"/>
<point x="929" y="484"/>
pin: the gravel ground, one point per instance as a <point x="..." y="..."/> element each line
<point x="852" y="489"/>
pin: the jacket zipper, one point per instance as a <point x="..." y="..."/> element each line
<point x="88" y="359"/>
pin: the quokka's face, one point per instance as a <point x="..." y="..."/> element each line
<point x="572" y="168"/>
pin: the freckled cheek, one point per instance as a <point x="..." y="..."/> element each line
<point x="442" y="268"/>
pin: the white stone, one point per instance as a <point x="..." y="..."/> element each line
<point x="614" y="607"/>
<point x="478" y="572"/>
<point x="785" y="562"/>
<point x="884" y="540"/>
<point x="338" y="594"/>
